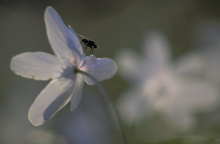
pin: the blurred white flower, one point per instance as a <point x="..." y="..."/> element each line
<point x="66" y="85"/>
<point x="159" y="90"/>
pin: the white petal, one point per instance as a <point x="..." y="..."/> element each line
<point x="197" y="96"/>
<point x="99" y="68"/>
<point x="157" y="48"/>
<point x="192" y="64"/>
<point x="77" y="92"/>
<point x="63" y="41"/>
<point x="50" y="100"/>
<point x="36" y="65"/>
<point x="130" y="65"/>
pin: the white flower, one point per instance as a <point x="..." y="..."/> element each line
<point x="160" y="90"/>
<point x="65" y="84"/>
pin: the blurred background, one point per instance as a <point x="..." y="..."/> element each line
<point x="192" y="31"/>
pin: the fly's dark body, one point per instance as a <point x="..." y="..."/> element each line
<point x="88" y="43"/>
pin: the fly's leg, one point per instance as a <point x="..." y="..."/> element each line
<point x="85" y="49"/>
<point x="91" y="52"/>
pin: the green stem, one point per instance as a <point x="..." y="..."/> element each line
<point x="113" y="110"/>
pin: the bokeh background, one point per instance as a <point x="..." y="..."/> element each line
<point x="113" y="25"/>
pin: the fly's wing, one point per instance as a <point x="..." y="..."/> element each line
<point x="82" y="37"/>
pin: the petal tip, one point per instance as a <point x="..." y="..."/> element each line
<point x="72" y="108"/>
<point x="34" y="121"/>
<point x="49" y="8"/>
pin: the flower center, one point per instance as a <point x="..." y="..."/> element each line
<point x="75" y="70"/>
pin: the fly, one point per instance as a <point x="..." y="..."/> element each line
<point x="88" y="43"/>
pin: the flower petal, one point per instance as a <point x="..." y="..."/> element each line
<point x="36" y="65"/>
<point x="157" y="49"/>
<point x="77" y="92"/>
<point x="50" y="100"/>
<point x="198" y="96"/>
<point x="99" y="68"/>
<point x="63" y="41"/>
<point x="131" y="66"/>
<point x="192" y="64"/>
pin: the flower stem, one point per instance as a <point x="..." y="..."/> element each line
<point x="113" y="110"/>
